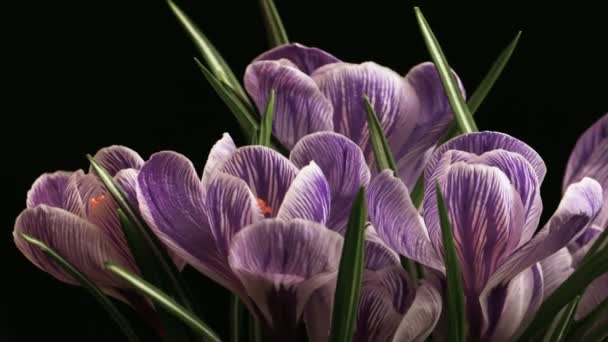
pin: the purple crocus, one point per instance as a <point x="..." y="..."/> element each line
<point x="588" y="159"/>
<point x="317" y="92"/>
<point x="491" y="183"/>
<point x="255" y="222"/>
<point x="74" y="215"/>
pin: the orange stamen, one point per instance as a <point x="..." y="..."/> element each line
<point x="95" y="201"/>
<point x="265" y="208"/>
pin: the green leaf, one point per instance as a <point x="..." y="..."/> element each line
<point x="456" y="313"/>
<point x="417" y="194"/>
<point x="450" y="85"/>
<point x="266" y="127"/>
<point x="165" y="301"/>
<point x="274" y="26"/>
<point x="216" y="62"/>
<point x="486" y="84"/>
<point x="575" y="285"/>
<point x="382" y="151"/>
<point x="88" y="285"/>
<point x="558" y="330"/>
<point x="151" y="258"/>
<point x="246" y="118"/>
<point x="346" y="298"/>
<point x="237" y="313"/>
<point x="172" y="327"/>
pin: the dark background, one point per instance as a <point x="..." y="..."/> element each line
<point x="95" y="73"/>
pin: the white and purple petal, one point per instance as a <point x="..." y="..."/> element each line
<point x="49" y="189"/>
<point x="422" y="316"/>
<point x="221" y="152"/>
<point x="308" y="197"/>
<point x="115" y="158"/>
<point x="343" y="165"/>
<point x="307" y="59"/>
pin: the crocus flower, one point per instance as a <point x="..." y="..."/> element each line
<point x="317" y="92"/>
<point x="207" y="220"/>
<point x="73" y="214"/>
<point x="490" y="182"/>
<point x="588" y="159"/>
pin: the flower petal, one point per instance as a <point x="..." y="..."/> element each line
<point x="267" y="173"/>
<point x="127" y="181"/>
<point x="221" y="152"/>
<point x="377" y="319"/>
<point x="308" y="196"/>
<point x="300" y="107"/>
<point x="115" y="158"/>
<point x="481" y="142"/>
<point x="230" y="207"/>
<point x="486" y="215"/>
<point x="578" y="208"/>
<point x="171" y="201"/>
<point x="590" y="159"/>
<point x="49" y="189"/>
<point x="346" y="84"/>
<point x="519" y="301"/>
<point x="282" y="263"/>
<point x="556" y="269"/>
<point x="344" y="167"/>
<point x="434" y="117"/>
<point x="307" y="59"/>
<point x="377" y="254"/>
<point x="422" y="316"/>
<point x="397" y="220"/>
<point x="594" y="295"/>
<point x="80" y="242"/>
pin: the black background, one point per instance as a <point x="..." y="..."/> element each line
<point x="95" y="73"/>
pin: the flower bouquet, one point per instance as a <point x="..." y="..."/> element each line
<point x="368" y="207"/>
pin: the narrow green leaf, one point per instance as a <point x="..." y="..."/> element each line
<point x="88" y="285"/>
<point x="456" y="313"/>
<point x="486" y="84"/>
<point x="450" y="85"/>
<point x="216" y="62"/>
<point x="346" y="298"/>
<point x="256" y="333"/>
<point x="575" y="285"/>
<point x="266" y="127"/>
<point x="165" y="301"/>
<point x="417" y="194"/>
<point x="172" y="326"/>
<point x="382" y="152"/>
<point x="274" y="26"/>
<point x="152" y="259"/>
<point x="236" y="318"/>
<point x="246" y="118"/>
<point x="558" y="330"/>
<point x="593" y="319"/>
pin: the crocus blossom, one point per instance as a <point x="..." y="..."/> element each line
<point x="317" y="92"/>
<point x="74" y="215"/>
<point x="588" y="159"/>
<point x="204" y="219"/>
<point x="491" y="183"/>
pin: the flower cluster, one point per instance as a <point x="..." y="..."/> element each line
<point x="270" y="228"/>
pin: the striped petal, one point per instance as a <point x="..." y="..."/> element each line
<point x="486" y="216"/>
<point x="49" y="189"/>
<point x="422" y="316"/>
<point x="267" y="173"/>
<point x="80" y="242"/>
<point x="397" y="220"/>
<point x="307" y="59"/>
<point x="434" y="116"/>
<point x="221" y="152"/>
<point x="342" y="164"/>
<point x="308" y="196"/>
<point x="300" y="107"/>
<point x="346" y="84"/>
<point x="116" y="158"/>
<point x="377" y="319"/>
<point x="281" y="264"/>
<point x="579" y="206"/>
<point x="171" y="201"/>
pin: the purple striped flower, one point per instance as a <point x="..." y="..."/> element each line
<point x="74" y="215"/>
<point x="317" y="92"/>
<point x="255" y="222"/>
<point x="588" y="159"/>
<point x="491" y="183"/>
